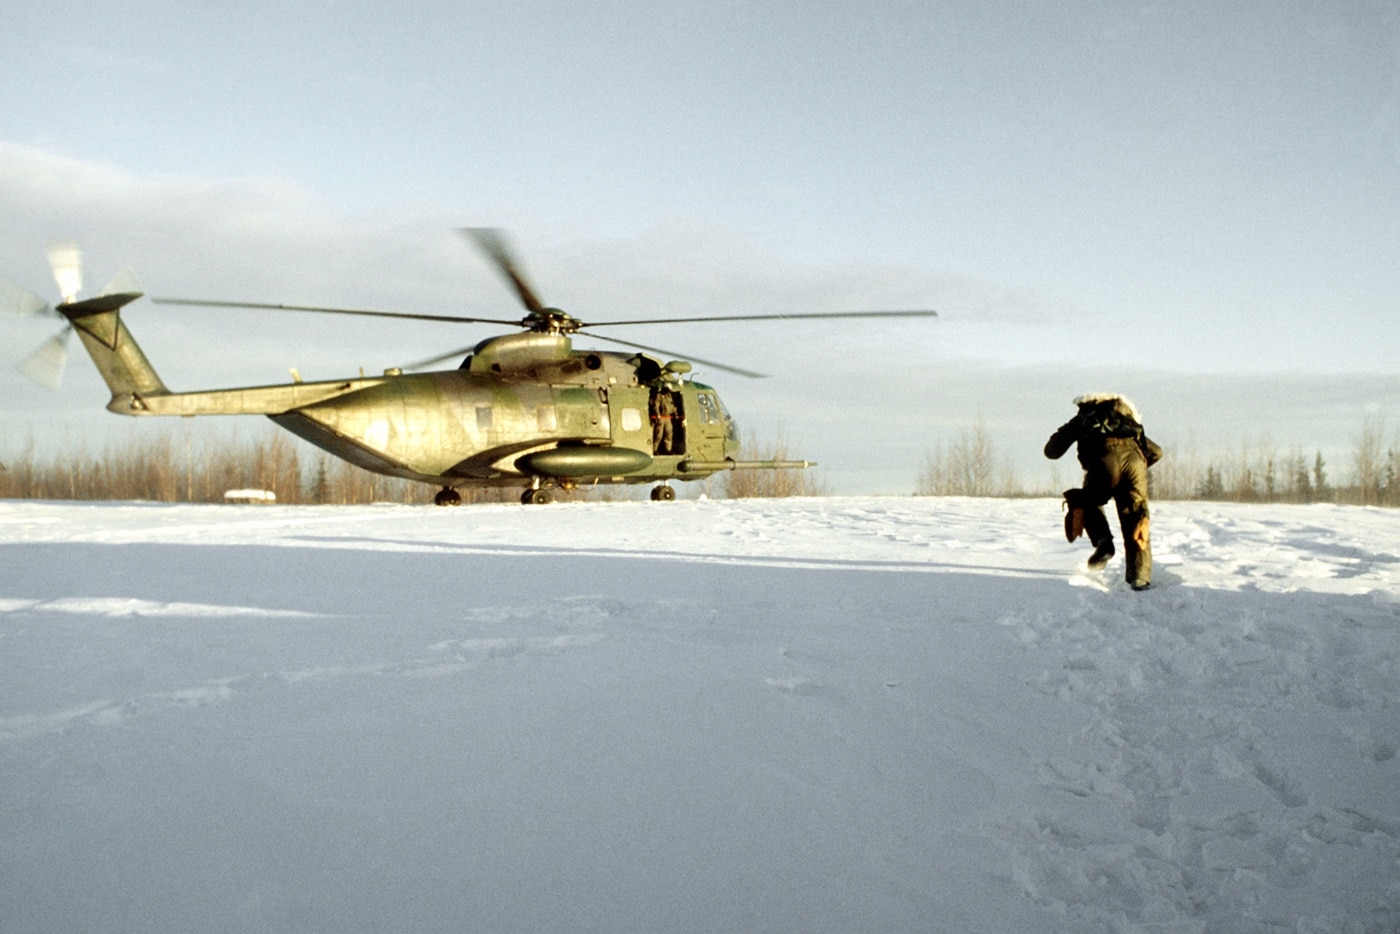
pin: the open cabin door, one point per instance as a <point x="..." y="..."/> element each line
<point x="666" y="409"/>
<point x="627" y="413"/>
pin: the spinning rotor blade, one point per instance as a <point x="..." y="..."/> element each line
<point x="657" y="350"/>
<point x="22" y="303"/>
<point x="439" y="358"/>
<point x="494" y="245"/>
<point x="66" y="261"/>
<point x="45" y="365"/>
<point x="368" y="313"/>
<point x="125" y="281"/>
<point x="680" y="356"/>
<point x="794" y="316"/>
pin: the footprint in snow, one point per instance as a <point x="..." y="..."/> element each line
<point x="802" y="687"/>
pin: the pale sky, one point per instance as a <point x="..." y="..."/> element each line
<point x="1188" y="200"/>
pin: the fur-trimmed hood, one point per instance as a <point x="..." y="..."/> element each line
<point x="1124" y="404"/>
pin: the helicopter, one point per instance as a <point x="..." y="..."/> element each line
<point x="521" y="409"/>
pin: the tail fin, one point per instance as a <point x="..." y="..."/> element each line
<point x="123" y="366"/>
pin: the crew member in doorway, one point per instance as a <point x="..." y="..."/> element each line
<point x="663" y="416"/>
<point x="1115" y="454"/>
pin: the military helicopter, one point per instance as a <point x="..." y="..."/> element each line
<point x="522" y="409"/>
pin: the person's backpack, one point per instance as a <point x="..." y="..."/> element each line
<point x="1104" y="419"/>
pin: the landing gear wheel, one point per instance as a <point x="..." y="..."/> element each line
<point x="448" y="497"/>
<point x="540" y="497"/>
<point x="662" y="494"/>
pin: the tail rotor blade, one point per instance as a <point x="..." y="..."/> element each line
<point x="66" y="261"/>
<point x="21" y="302"/>
<point x="45" y="365"/>
<point x="125" y="281"/>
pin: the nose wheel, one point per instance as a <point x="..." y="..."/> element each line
<point x="448" y="497"/>
<point x="662" y="494"/>
<point x="541" y="496"/>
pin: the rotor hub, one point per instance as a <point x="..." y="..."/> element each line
<point x="551" y="321"/>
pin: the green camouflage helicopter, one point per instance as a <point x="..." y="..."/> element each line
<point x="523" y="409"/>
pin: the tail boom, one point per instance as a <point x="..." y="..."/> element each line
<point x="119" y="359"/>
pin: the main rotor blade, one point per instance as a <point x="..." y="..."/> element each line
<point x="793" y="316"/>
<point x="439" y="358"/>
<point x="22" y="302"/>
<point x="368" y="313"/>
<point x="680" y="356"/>
<point x="494" y="245"/>
<point x="665" y="353"/>
<point x="45" y="365"/>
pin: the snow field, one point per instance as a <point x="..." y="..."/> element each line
<point x="828" y="714"/>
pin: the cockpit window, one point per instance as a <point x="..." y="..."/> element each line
<point x="709" y="408"/>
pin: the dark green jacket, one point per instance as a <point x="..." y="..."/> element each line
<point x="1101" y="430"/>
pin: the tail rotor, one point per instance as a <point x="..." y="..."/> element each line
<point x="46" y="365"/>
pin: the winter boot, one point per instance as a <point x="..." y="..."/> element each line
<point x="1103" y="551"/>
<point x="1138" y="554"/>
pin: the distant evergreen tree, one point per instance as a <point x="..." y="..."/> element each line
<point x="1302" y="479"/>
<point x="1390" y="479"/>
<point x="321" y="485"/>
<point x="1213" y="487"/>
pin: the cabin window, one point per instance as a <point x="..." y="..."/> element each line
<point x="545" y="418"/>
<point x="483" y="417"/>
<point x="631" y="419"/>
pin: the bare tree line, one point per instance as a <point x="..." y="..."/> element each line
<point x="180" y="467"/>
<point x="1254" y="472"/>
<point x="969" y="466"/>
<point x="189" y="469"/>
<point x="185" y="468"/>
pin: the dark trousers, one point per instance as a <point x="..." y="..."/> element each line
<point x="1121" y="477"/>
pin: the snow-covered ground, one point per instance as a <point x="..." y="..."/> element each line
<point x="846" y="714"/>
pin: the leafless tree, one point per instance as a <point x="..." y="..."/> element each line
<point x="747" y="484"/>
<point x="968" y="466"/>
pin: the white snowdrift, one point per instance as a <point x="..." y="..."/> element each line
<point x="820" y="715"/>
